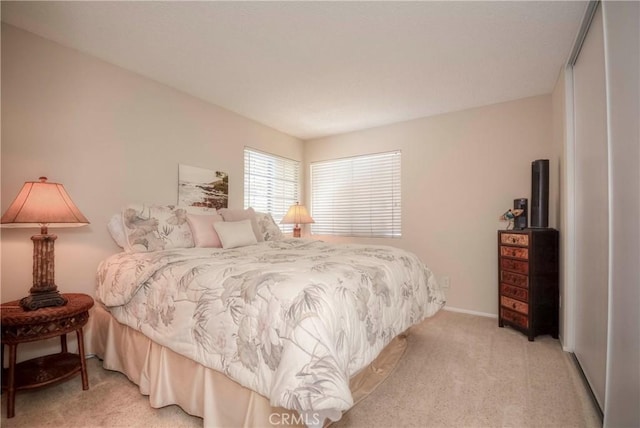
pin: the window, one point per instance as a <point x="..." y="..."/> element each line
<point x="271" y="184"/>
<point x="357" y="196"/>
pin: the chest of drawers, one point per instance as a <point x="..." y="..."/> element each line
<point x="528" y="276"/>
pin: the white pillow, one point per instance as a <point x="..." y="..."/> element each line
<point x="235" y="234"/>
<point x="229" y="214"/>
<point x="116" y="230"/>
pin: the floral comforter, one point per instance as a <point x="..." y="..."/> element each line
<point x="291" y="319"/>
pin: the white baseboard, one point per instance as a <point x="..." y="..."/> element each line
<point x="467" y="311"/>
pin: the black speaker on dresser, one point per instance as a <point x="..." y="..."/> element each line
<point x="540" y="193"/>
<point x="520" y="222"/>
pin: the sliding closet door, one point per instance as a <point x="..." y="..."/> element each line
<point x="592" y="210"/>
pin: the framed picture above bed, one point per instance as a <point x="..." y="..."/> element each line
<point x="201" y="187"/>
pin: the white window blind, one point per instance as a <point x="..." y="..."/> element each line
<point x="271" y="184"/>
<point x="357" y="196"/>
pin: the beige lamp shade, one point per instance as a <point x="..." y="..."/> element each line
<point x="41" y="203"/>
<point x="297" y="215"/>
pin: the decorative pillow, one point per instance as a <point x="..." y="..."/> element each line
<point x="204" y="235"/>
<point x="116" y="230"/>
<point x="156" y="227"/>
<point x="235" y="233"/>
<point x="268" y="227"/>
<point x="236" y="215"/>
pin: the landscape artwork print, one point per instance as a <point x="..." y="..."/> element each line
<point x="201" y="187"/>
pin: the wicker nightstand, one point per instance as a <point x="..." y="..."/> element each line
<point x="19" y="326"/>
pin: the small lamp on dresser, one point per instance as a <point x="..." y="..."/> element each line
<point x="43" y="204"/>
<point x="297" y="215"/>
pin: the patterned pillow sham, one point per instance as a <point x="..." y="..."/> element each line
<point x="156" y="227"/>
<point x="268" y="227"/>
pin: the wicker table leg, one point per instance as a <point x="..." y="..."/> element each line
<point x="11" y="382"/>
<point x="83" y="361"/>
<point x="63" y="343"/>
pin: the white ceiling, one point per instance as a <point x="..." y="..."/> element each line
<point x="313" y="69"/>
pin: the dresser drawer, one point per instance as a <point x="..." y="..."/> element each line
<point x="514" y="317"/>
<point x="516" y="252"/>
<point x="514" y="239"/>
<point x="515" y="292"/>
<point x="514" y="278"/>
<point x="514" y="304"/>
<point x="514" y="265"/>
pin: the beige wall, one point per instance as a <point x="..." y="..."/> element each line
<point x="111" y="137"/>
<point x="460" y="172"/>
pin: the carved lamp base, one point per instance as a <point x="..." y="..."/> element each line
<point x="44" y="292"/>
<point x="42" y="300"/>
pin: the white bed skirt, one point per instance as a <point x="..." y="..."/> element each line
<point x="170" y="378"/>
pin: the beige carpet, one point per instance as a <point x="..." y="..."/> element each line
<point x="459" y="371"/>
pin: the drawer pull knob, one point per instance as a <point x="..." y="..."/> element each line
<point x="514" y="306"/>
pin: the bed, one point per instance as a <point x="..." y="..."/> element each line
<point x="283" y="330"/>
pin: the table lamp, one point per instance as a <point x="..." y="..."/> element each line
<point x="43" y="204"/>
<point x="297" y="215"/>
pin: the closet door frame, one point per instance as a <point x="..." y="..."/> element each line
<point x="570" y="275"/>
